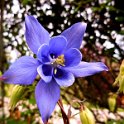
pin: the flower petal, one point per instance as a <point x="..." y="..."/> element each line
<point x="74" y="35"/>
<point x="45" y="72"/>
<point x="87" y="69"/>
<point x="72" y="57"/>
<point x="35" y="34"/>
<point x="47" y="95"/>
<point x="57" y="45"/>
<point x="64" y="78"/>
<point x="23" y="71"/>
<point x="43" y="53"/>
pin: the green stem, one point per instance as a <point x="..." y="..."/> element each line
<point x="64" y="116"/>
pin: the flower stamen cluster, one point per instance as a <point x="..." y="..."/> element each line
<point x="60" y="60"/>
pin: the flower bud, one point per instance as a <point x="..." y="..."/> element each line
<point x="120" y="79"/>
<point x="112" y="101"/>
<point x="17" y="93"/>
<point x="122" y="68"/>
<point x="86" y="116"/>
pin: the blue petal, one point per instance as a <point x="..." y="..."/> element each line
<point x="64" y="78"/>
<point x="45" y="72"/>
<point x="47" y="95"/>
<point x="72" y="57"/>
<point x="35" y="34"/>
<point x="23" y="71"/>
<point x="74" y="35"/>
<point x="87" y="69"/>
<point x="43" y="53"/>
<point x="57" y="45"/>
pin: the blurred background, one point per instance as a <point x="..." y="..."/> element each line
<point x="103" y="41"/>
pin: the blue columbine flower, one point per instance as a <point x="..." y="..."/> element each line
<point x="58" y="62"/>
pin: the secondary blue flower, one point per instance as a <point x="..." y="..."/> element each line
<point x="58" y="62"/>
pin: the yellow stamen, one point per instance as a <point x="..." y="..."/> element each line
<point x="60" y="60"/>
<point x="55" y="71"/>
